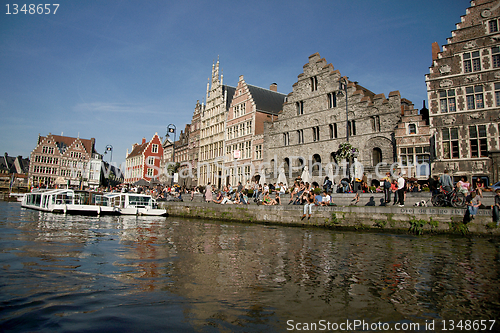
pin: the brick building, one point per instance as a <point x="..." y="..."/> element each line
<point x="313" y="122"/>
<point x="413" y="136"/>
<point x="250" y="107"/>
<point x="62" y="160"/>
<point x="463" y="87"/>
<point x="143" y="162"/>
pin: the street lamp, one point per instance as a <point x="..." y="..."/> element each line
<point x="171" y="129"/>
<point x="110" y="149"/>
<point x="343" y="81"/>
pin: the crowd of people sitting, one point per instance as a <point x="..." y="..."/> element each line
<point x="311" y="194"/>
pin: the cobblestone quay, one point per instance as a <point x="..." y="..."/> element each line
<point x="363" y="216"/>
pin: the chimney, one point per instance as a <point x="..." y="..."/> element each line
<point x="143" y="140"/>
<point x="273" y="87"/>
<point x="435" y="50"/>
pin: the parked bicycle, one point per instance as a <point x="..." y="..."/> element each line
<point x="447" y="198"/>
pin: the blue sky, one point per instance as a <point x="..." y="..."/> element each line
<point x="120" y="70"/>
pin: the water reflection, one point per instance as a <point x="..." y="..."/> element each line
<point x="61" y="271"/>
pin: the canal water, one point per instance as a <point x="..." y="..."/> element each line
<point x="155" y="274"/>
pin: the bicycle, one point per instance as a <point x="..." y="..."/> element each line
<point x="445" y="198"/>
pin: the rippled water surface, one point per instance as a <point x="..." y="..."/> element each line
<point x="151" y="274"/>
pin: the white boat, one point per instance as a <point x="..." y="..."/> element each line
<point x="68" y="201"/>
<point x="18" y="196"/>
<point x="134" y="204"/>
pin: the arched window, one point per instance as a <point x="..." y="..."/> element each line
<point x="316" y="163"/>
<point x="286" y="165"/>
<point x="377" y="156"/>
<point x="333" y="157"/>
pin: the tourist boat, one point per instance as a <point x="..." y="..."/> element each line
<point x="68" y="201"/>
<point x="134" y="204"/>
<point x="18" y="196"/>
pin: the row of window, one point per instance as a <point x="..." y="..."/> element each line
<point x="332" y="128"/>
<point x="243" y="147"/>
<point x="331" y="102"/>
<point x="212" y="150"/>
<point x="474" y="98"/>
<point x="410" y="154"/>
<point x="241" y="174"/>
<point x="47" y="150"/>
<point x="239" y="110"/>
<point x="238" y="130"/>
<point x="44" y="169"/>
<point x="478" y="144"/>
<point x="46" y="159"/>
<point x="472" y="60"/>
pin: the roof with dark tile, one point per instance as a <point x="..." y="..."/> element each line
<point x="266" y="100"/>
<point x="230" y="93"/>
<point x="138" y="150"/>
<point x="63" y="142"/>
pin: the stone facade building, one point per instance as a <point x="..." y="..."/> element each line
<point x="313" y="123"/>
<point x="463" y="88"/>
<point x="212" y="130"/>
<point x="194" y="142"/>
<point x="251" y="106"/>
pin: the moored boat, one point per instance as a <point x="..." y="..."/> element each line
<point x="134" y="204"/>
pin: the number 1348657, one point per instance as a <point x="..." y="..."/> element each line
<point x="31" y="9"/>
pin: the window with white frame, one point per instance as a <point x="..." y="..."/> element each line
<point x="447" y="101"/>
<point x="493" y="26"/>
<point x="495" y="56"/>
<point x="258" y="152"/>
<point x="450" y="143"/>
<point x="154" y="148"/>
<point x="150" y="172"/>
<point x="474" y="97"/>
<point x="249" y="127"/>
<point x="497" y="94"/>
<point x="478" y="141"/>
<point x="151" y="160"/>
<point x="472" y="62"/>
<point x="248" y="149"/>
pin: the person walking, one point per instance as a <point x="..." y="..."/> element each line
<point x="208" y="193"/>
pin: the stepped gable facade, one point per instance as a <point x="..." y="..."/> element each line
<point x="463" y="88"/>
<point x="212" y="130"/>
<point x="251" y="106"/>
<point x="313" y="122"/>
<point x="61" y="160"/>
<point x="143" y="162"/>
<point x="413" y="135"/>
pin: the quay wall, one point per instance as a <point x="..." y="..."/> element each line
<point x="391" y="219"/>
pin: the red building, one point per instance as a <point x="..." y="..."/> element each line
<point x="143" y="162"/>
